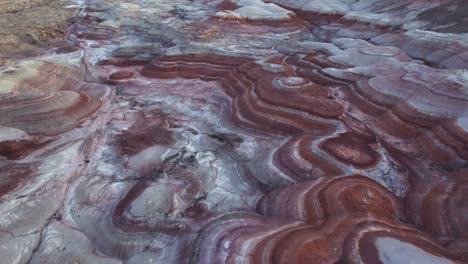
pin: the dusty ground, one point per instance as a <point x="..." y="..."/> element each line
<point x="29" y="26"/>
<point x="448" y="18"/>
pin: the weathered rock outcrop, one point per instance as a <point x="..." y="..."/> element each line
<point x="240" y="131"/>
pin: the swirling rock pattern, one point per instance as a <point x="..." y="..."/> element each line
<point x="240" y="131"/>
<point x="38" y="97"/>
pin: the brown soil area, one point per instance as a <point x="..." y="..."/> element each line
<point x="30" y="26"/>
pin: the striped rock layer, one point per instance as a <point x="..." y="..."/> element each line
<point x="240" y="131"/>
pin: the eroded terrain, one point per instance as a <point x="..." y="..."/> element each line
<point x="31" y="27"/>
<point x="240" y="131"/>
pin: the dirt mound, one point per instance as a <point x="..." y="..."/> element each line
<point x="29" y="26"/>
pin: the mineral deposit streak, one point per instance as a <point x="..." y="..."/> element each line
<point x="240" y="131"/>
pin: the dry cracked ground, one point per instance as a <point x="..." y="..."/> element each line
<point x="233" y="131"/>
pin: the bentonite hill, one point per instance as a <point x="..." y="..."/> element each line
<point x="233" y="131"/>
